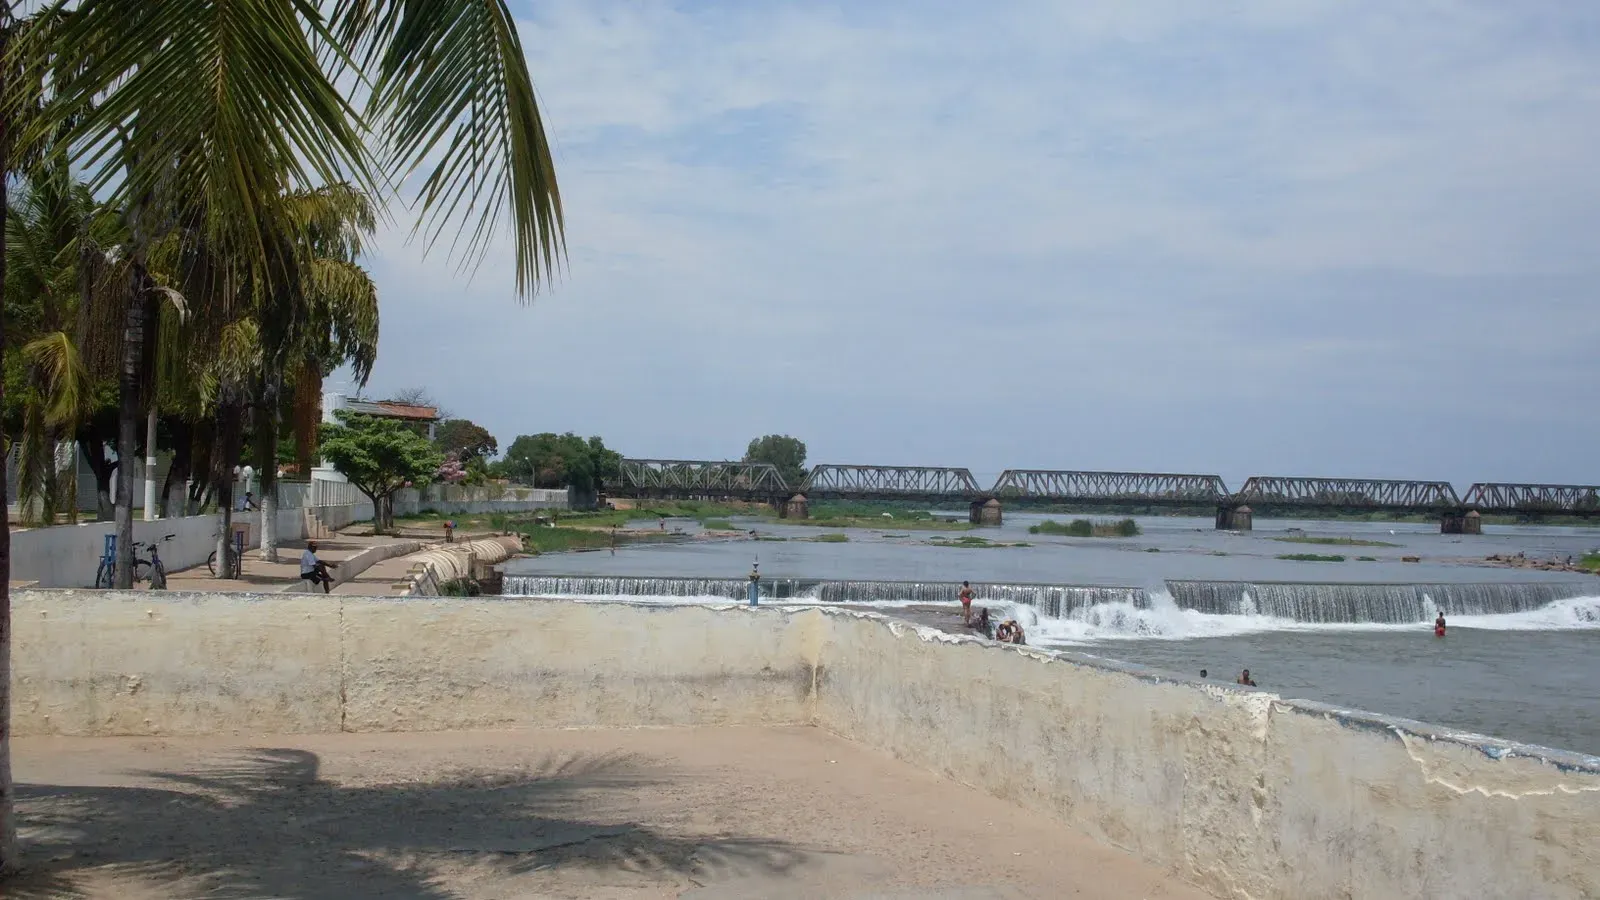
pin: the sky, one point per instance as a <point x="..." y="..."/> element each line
<point x="1276" y="237"/>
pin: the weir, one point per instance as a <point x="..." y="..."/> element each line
<point x="1050" y="599"/>
<point x="1380" y="603"/>
<point x="1310" y="603"/>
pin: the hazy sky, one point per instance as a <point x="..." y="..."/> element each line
<point x="1263" y="237"/>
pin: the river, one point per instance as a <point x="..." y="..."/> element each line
<point x="1521" y="659"/>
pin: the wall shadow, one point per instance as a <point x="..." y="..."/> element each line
<point x="268" y="825"/>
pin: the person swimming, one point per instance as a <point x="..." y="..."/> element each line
<point x="1245" y="679"/>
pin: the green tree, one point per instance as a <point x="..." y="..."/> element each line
<point x="379" y="456"/>
<point x="465" y="440"/>
<point x="553" y="460"/>
<point x="783" y="451"/>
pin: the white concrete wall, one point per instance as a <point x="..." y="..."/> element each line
<point x="1242" y="792"/>
<point x="106" y="662"/>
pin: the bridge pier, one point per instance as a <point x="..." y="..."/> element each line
<point x="986" y="512"/>
<point x="1457" y="522"/>
<point x="797" y="507"/>
<point x="1235" y="518"/>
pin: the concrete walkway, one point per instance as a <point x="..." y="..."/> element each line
<point x="262" y="576"/>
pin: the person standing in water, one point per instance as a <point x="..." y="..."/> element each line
<point x="966" y="603"/>
<point x="1245" y="679"/>
<point x="1438" y="626"/>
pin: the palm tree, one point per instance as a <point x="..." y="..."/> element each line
<point x="329" y="317"/>
<point x="168" y="110"/>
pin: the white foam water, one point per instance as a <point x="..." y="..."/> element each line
<point x="1165" y="620"/>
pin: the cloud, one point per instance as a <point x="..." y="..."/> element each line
<point x="1279" y="237"/>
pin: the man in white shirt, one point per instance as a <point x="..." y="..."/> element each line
<point x="315" y="570"/>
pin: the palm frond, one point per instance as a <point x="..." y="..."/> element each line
<point x="223" y="102"/>
<point x="346" y="301"/>
<point x="452" y="83"/>
<point x="64" y="380"/>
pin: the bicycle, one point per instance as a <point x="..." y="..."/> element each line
<point x="151" y="569"/>
<point x="237" y="562"/>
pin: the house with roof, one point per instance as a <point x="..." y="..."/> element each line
<point x="423" y="419"/>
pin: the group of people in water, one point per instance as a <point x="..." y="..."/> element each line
<point x="1008" y="631"/>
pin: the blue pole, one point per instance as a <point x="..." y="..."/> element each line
<point x="755" y="592"/>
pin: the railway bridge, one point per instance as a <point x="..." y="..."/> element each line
<point x="1261" y="495"/>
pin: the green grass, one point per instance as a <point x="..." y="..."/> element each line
<point x="1311" y="557"/>
<point x="1590" y="561"/>
<point x="1334" y="541"/>
<point x="894" y="535"/>
<point x="834" y="538"/>
<point x="716" y="525"/>
<point x="1088" y="528"/>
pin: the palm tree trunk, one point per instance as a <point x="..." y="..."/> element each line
<point x="307" y="415"/>
<point x="266" y="432"/>
<point x="173" y="492"/>
<point x="138" y="328"/>
<point x="230" y="426"/>
<point x="8" y="823"/>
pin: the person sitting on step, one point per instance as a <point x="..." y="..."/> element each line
<point x="315" y="570"/>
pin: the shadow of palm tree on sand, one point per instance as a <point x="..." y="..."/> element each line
<point x="268" y="825"/>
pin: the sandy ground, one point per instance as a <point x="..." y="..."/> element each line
<point x="702" y="814"/>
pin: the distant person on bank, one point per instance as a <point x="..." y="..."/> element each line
<point x="315" y="570"/>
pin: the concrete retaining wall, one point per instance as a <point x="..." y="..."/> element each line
<point x="1239" y="791"/>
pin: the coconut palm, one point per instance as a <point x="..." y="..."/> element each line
<point x="327" y="316"/>
<point x="168" y="110"/>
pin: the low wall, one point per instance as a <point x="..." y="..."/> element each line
<point x="1238" y="791"/>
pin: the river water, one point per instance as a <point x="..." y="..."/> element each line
<point x="1521" y="659"/>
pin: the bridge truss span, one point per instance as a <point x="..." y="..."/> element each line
<point x="1560" y="499"/>
<point x="688" y="478"/>
<point x="1347" y="493"/>
<point x="1110" y="487"/>
<point x="890" y="483"/>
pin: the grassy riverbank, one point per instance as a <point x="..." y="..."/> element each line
<point x="901" y="517"/>
<point x="1311" y="557"/>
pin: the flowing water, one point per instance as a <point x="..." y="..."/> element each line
<point x="1521" y="658"/>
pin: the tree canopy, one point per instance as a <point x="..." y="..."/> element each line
<point x="562" y="460"/>
<point x="465" y="440"/>
<point x="379" y="456"/>
<point x="783" y="451"/>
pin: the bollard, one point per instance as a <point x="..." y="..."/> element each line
<point x="755" y="585"/>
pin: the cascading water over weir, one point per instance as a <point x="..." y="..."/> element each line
<point x="1307" y="603"/>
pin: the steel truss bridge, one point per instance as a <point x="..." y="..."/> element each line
<point x="707" y="479"/>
